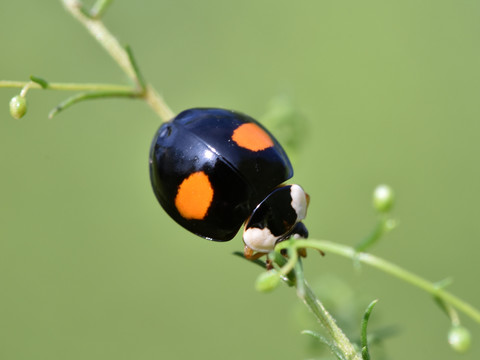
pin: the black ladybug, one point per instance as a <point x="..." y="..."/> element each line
<point x="213" y="170"/>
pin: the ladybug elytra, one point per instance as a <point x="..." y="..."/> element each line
<point x="213" y="170"/>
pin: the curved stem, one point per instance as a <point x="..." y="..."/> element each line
<point x="380" y="229"/>
<point x="24" y="90"/>
<point x="394" y="270"/>
<point x="119" y="54"/>
<point x="88" y="96"/>
<point x="292" y="261"/>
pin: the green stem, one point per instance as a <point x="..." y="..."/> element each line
<point x="449" y="311"/>
<point x="88" y="96"/>
<point x="118" y="53"/>
<point x="66" y="86"/>
<point x="102" y="35"/>
<point x="299" y="276"/>
<point x="306" y="294"/>
<point x="123" y="57"/>
<point x="376" y="234"/>
<point x="326" y="320"/>
<point x="292" y="260"/>
<point x="394" y="270"/>
<point x="157" y="104"/>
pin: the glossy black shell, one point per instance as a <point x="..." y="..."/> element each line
<point x="201" y="140"/>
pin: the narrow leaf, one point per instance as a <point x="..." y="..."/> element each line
<point x="138" y="75"/>
<point x="87" y="96"/>
<point x="257" y="261"/>
<point x="364" y="340"/>
<point x="99" y="8"/>
<point x="335" y="350"/>
<point x="43" y="83"/>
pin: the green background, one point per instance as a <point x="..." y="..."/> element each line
<point x="92" y="268"/>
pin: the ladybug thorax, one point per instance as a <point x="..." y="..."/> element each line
<point x="277" y="218"/>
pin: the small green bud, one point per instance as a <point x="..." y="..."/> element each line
<point x="459" y="338"/>
<point x="267" y="281"/>
<point x="383" y="198"/>
<point x="18" y="107"/>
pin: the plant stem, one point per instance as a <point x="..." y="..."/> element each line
<point x="341" y="344"/>
<point x="380" y="229"/>
<point x="157" y="103"/>
<point x="325" y="319"/>
<point x="89" y="95"/>
<point x="394" y="270"/>
<point x="102" y="35"/>
<point x="118" y="53"/>
<point x="66" y="86"/>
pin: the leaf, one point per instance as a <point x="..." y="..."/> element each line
<point x="364" y="340"/>
<point x="335" y="350"/>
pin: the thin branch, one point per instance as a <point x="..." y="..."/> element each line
<point x="157" y="103"/>
<point x="102" y="35"/>
<point x="391" y="269"/>
<point x="326" y="320"/>
<point x="88" y="96"/>
<point x="118" y="53"/>
<point x="66" y="86"/>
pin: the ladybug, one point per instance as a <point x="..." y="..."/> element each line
<point x="213" y="170"/>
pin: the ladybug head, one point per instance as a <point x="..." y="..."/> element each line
<point x="278" y="217"/>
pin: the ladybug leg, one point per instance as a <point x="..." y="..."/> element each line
<point x="269" y="264"/>
<point x="250" y="254"/>
<point x="302" y="252"/>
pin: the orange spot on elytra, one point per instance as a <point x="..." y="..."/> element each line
<point x="194" y="196"/>
<point x="252" y="137"/>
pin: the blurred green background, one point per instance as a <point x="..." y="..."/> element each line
<point x="92" y="268"/>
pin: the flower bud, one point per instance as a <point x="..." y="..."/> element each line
<point x="267" y="281"/>
<point x="18" y="107"/>
<point x="459" y="338"/>
<point x="383" y="198"/>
